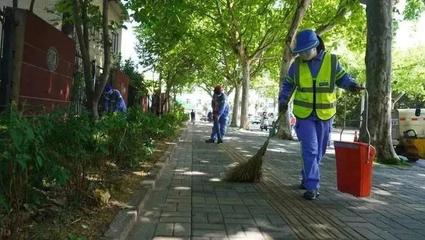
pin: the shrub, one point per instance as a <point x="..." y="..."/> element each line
<point x="59" y="150"/>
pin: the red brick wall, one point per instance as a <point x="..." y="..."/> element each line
<point x="39" y="86"/>
<point x="120" y="81"/>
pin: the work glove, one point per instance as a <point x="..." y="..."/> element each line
<point x="356" y="89"/>
<point x="283" y="107"/>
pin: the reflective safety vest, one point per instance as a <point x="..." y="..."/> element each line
<point x="316" y="93"/>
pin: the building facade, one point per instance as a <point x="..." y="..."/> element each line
<point x="45" y="9"/>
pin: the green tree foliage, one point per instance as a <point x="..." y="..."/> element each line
<point x="138" y="87"/>
<point x="413" y="9"/>
<point x="409" y="73"/>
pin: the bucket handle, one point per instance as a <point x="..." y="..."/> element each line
<point x="366" y="123"/>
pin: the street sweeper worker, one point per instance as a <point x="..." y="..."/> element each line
<point x="112" y="100"/>
<point x="313" y="78"/>
<point x="220" y="113"/>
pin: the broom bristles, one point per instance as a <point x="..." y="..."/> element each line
<point x="249" y="171"/>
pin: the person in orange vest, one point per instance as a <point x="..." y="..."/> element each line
<point x="313" y="78"/>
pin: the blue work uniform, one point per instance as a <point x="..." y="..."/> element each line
<point x="114" y="102"/>
<point x="220" y="108"/>
<point x="312" y="132"/>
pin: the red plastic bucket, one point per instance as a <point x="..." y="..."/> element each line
<point x="354" y="161"/>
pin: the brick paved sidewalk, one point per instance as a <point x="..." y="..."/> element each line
<point x="190" y="202"/>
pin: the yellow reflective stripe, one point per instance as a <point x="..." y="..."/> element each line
<point x="324" y="90"/>
<point x="318" y="90"/>
<point x="318" y="105"/>
<point x="305" y="89"/>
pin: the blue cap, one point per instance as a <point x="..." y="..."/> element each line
<point x="108" y="87"/>
<point x="305" y="40"/>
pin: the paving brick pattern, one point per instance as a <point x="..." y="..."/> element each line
<point x="395" y="209"/>
<point x="190" y="202"/>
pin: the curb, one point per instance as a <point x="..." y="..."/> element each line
<point x="122" y="224"/>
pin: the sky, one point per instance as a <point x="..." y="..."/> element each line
<point x="129" y="42"/>
<point x="410" y="34"/>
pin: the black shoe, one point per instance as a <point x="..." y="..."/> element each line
<point x="219" y="141"/>
<point x="209" y="141"/>
<point x="302" y="186"/>
<point x="311" y="194"/>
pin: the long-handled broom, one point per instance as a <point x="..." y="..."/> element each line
<point x="250" y="171"/>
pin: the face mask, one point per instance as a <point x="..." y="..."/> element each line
<point x="309" y="54"/>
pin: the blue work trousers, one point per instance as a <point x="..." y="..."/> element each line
<point x="219" y="127"/>
<point x="313" y="135"/>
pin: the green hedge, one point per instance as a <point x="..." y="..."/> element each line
<point x="60" y="149"/>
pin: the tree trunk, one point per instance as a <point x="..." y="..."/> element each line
<point x="174" y="95"/>
<point x="245" y="93"/>
<point x="284" y="131"/>
<point x="107" y="59"/>
<point x="32" y="6"/>
<point x="85" y="54"/>
<point x="168" y="99"/>
<point x="236" y="106"/>
<point x="159" y="109"/>
<point x="378" y="73"/>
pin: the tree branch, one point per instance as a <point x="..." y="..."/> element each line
<point x="343" y="8"/>
<point x="257" y="68"/>
<point x="290" y="36"/>
<point x="264" y="44"/>
<point x="106" y="53"/>
<point x="206" y="89"/>
<point x="32" y="6"/>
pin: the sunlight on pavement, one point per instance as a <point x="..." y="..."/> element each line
<point x="320" y="226"/>
<point x="215" y="180"/>
<point x="194" y="173"/>
<point x="371" y="200"/>
<point x="396" y="183"/>
<point x="249" y="235"/>
<point x="358" y="207"/>
<point x="140" y="173"/>
<point x="181" y="169"/>
<point x="277" y="150"/>
<point x="182" y="188"/>
<point x="381" y="192"/>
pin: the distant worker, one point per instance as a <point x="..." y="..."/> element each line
<point x="313" y="78"/>
<point x="264" y="123"/>
<point x="220" y="112"/>
<point x="112" y="100"/>
<point x="210" y="116"/>
<point x="192" y="116"/>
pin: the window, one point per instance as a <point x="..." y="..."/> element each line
<point x="115" y="43"/>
